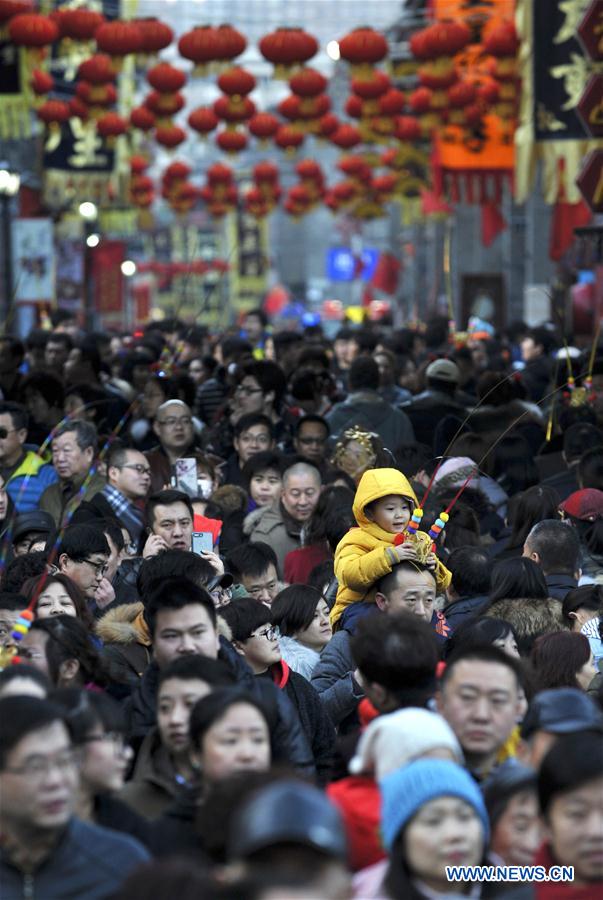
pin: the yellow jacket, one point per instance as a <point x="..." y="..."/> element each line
<point x="361" y="556"/>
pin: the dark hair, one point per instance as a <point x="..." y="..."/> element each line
<point x="462" y="529"/>
<point x="579" y="438"/>
<point x="94" y="398"/>
<point x="243" y="616"/>
<point x="61" y="337"/>
<point x="164" y="879"/>
<point x="166" y="498"/>
<point x="248" y="421"/>
<point x="234" y="347"/>
<point x="477" y="632"/>
<point x="79" y="541"/>
<point x="172" y="564"/>
<point x="268" y="375"/>
<point x="29" y="565"/>
<point x="69" y="639"/>
<point x="261" y="462"/>
<point x="363" y="374"/>
<point x="259" y="313"/>
<point x="332" y="475"/>
<point x="293" y="609"/>
<point x="471" y="569"/>
<point x="209" y="710"/>
<point x="173" y="594"/>
<point x="23" y="670"/>
<point x="573" y="760"/>
<point x="197" y="668"/>
<point x="390" y="579"/>
<point x="16" y="346"/>
<point x="35" y="586"/>
<point x="487" y="653"/>
<point x="544" y="337"/>
<point x="111" y="528"/>
<point x="412" y="456"/>
<point x="250" y="559"/>
<point x="399" y="652"/>
<point x="590" y="469"/>
<point x="589" y="596"/>
<point x="499" y="388"/>
<point x="557" y="545"/>
<point x="86" y="710"/>
<point x="590" y="533"/>
<point x="47" y="385"/>
<point x="519" y="577"/>
<point x="313" y="419"/>
<point x="332" y="516"/>
<point x="17" y="412"/>
<point x="117" y="455"/>
<point x="12" y="600"/>
<point x="322" y="574"/>
<point x="514" y="465"/>
<point x="558" y="657"/>
<point x="85" y="433"/>
<point x="21" y="716"/>
<point x="529" y="507"/>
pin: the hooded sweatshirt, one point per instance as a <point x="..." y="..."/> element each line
<point x="364" y="555"/>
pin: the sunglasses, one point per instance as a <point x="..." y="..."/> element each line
<point x="4" y="432"/>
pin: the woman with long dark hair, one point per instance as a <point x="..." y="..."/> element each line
<point x="527" y="508"/>
<point x="563" y="659"/>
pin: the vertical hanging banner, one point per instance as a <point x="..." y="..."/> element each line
<point x="555" y="70"/>
<point x="33" y="260"/>
<point x="108" y="279"/>
<point x="15" y="115"/>
<point x="249" y="238"/>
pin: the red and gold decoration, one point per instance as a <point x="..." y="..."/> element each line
<point x="288" y="49"/>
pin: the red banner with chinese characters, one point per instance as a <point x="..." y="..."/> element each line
<point x="108" y="279"/>
<point x="141" y="291"/>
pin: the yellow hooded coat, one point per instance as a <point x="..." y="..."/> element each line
<point x="361" y="557"/>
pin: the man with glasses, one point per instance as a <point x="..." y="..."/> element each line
<point x="83" y="556"/>
<point x="173" y="426"/>
<point x="253" y="433"/>
<point x="25" y="473"/>
<point x="255" y="567"/>
<point x="122" y="497"/>
<point x="45" y="851"/>
<point x="74" y="446"/>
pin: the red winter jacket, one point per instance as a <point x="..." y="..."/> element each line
<point x="359" y="802"/>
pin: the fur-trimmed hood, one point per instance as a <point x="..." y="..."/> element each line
<point x="529" y="617"/>
<point x="122" y="625"/>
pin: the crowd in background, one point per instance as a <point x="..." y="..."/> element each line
<point x="246" y="676"/>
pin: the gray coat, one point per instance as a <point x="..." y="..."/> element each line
<point x="369" y="411"/>
<point x="275" y="528"/>
<point x="333" y="678"/>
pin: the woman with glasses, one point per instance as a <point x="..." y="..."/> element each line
<point x="98" y="732"/>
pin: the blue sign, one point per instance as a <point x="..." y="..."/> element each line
<point x="341" y="263"/>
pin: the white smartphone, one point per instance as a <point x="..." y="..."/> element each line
<point x="203" y="542"/>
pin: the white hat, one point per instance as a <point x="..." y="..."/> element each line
<point x="397" y="739"/>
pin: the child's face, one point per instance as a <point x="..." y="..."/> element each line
<point x="265" y="487"/>
<point x="391" y="513"/>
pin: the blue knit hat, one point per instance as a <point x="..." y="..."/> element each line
<point x="405" y="791"/>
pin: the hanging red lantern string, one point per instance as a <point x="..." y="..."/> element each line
<point x="97" y="70"/>
<point x="138" y="164"/>
<point x="233" y="115"/>
<point x="311" y="176"/>
<point x="287" y="49"/>
<point x="288" y="138"/>
<point x="142" y="118"/>
<point x="203" y="120"/>
<point x="369" y="89"/>
<point x="307" y="84"/>
<point x="165" y="78"/>
<point x="35" y="33"/>
<point x="460" y="96"/>
<point x="11" y="8"/>
<point x="356" y="168"/>
<point x="363" y="48"/>
<point x="236" y="83"/>
<point x="156" y="36"/>
<point x="78" y="109"/>
<point x="229" y="43"/>
<point x="265" y="176"/>
<point x="199" y="45"/>
<point x="96" y="97"/>
<point x="327" y="125"/>
<point x="500" y="40"/>
<point x="170" y="136"/>
<point x="421" y="103"/>
<point x="263" y="126"/>
<point x="118" y="39"/>
<point x="41" y="82"/>
<point x="53" y="113"/>
<point x="111" y="126"/>
<point x="346" y="137"/>
<point x="164" y="106"/>
<point x="77" y="26"/>
<point x="231" y="141"/>
<point x="256" y="204"/>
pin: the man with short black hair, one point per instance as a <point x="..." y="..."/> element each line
<point x="128" y="481"/>
<point x="173" y="426"/>
<point x="74" y="446"/>
<point x="253" y="433"/>
<point x="45" y="852"/>
<point x="169" y="518"/>
<point x="467" y="594"/>
<point x="57" y="350"/>
<point x="480" y="698"/>
<point x="365" y="409"/>
<point x="25" y="474"/>
<point x="255" y="566"/>
<point x="555" y="547"/>
<point x="310" y="438"/>
<point x="83" y="556"/>
<point x="537" y="372"/>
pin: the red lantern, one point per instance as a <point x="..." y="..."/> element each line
<point x="156" y="35"/>
<point x="500" y="38"/>
<point x="141" y="184"/>
<point x="119" y="38"/>
<point x="236" y="82"/>
<point x="385" y="185"/>
<point x="53" y="113"/>
<point x="78" y="109"/>
<point x="219" y="174"/>
<point x="229" y="43"/>
<point x="355" y="167"/>
<point x="308" y="83"/>
<point x="79" y="24"/>
<point x="142" y="118"/>
<point x="138" y="164"/>
<point x="231" y="141"/>
<point x="263" y="126"/>
<point x="100" y="95"/>
<point x="287" y="48"/>
<point x="199" y="45"/>
<point x="353" y="107"/>
<point x="111" y="126"/>
<point x="420" y="100"/>
<point x="442" y="39"/>
<point x="11" y="8"/>
<point x="464" y="93"/>
<point x="392" y="103"/>
<point x="34" y="32"/>
<point x="363" y="48"/>
<point x="97" y="70"/>
<point x="472" y="115"/>
<point x="438" y="75"/>
<point x="176" y="171"/>
<point x="265" y="173"/>
<point x="41" y="82"/>
<point x="346" y="137"/>
<point x="166" y="78"/>
<point x="328" y="124"/>
<point x="233" y="113"/>
<point x="344" y="191"/>
<point x="165" y="105"/>
<point x="372" y="87"/>
<point x="170" y="136"/>
<point x="309" y="170"/>
<point x="203" y="120"/>
<point x="299" y="194"/>
<point x="488" y="93"/>
<point x="288" y="138"/>
<point x="407" y="130"/>
<point x="289" y="108"/>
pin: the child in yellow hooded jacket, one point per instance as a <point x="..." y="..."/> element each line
<point x="383" y="505"/>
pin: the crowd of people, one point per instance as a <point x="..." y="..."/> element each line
<point x="311" y="618"/>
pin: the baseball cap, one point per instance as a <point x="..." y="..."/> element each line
<point x="38" y="521"/>
<point x="584" y="504"/>
<point x="444" y="370"/>
<point x="287" y="812"/>
<point x="561" y="711"/>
